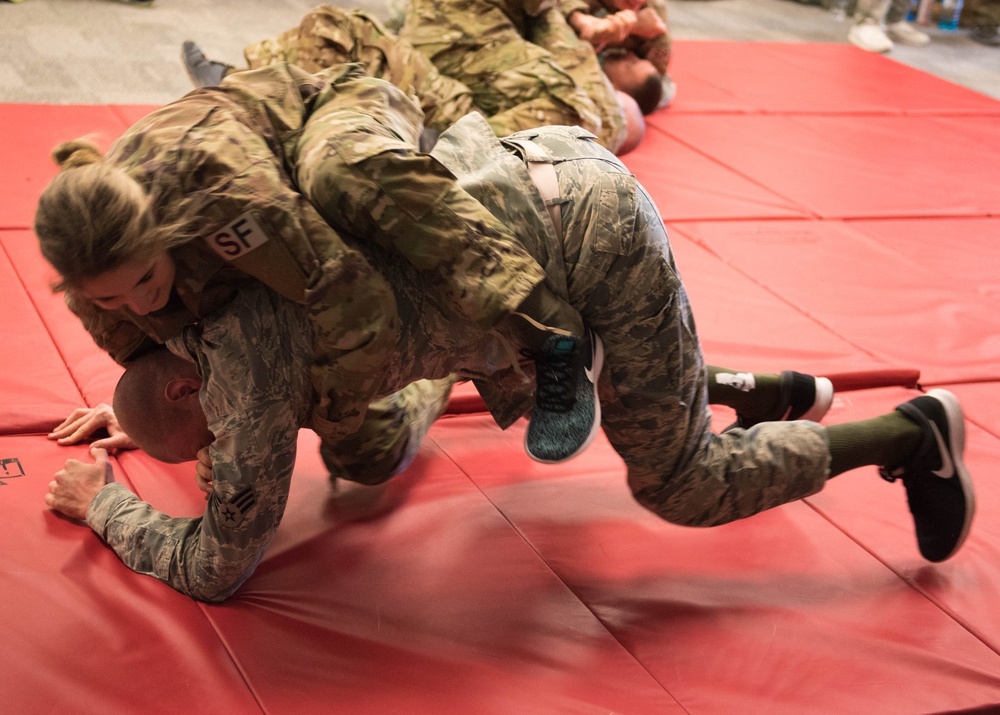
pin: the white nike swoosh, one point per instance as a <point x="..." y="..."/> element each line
<point x="947" y="470"/>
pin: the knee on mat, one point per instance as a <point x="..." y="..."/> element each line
<point x="371" y="472"/>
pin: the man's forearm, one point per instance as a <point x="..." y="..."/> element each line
<point x="173" y="550"/>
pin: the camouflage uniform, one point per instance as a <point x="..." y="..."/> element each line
<point x="516" y="83"/>
<point x="986" y="14"/>
<point x="254" y="357"/>
<point x="609" y="256"/>
<point x="613" y="263"/>
<point x="329" y="36"/>
<point x="657" y="49"/>
<point x="225" y="160"/>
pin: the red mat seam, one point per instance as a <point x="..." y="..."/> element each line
<point x="232" y="656"/>
<point x="816" y="320"/>
<point x="45" y="325"/>
<point x="809" y="213"/>
<point x="206" y="612"/>
<point x="908" y="581"/>
<point x="556" y="574"/>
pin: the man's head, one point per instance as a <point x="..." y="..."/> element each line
<point x="156" y="403"/>
<point x="637" y="78"/>
<point x="635" y="124"/>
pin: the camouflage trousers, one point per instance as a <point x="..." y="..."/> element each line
<point x="542" y="77"/>
<point x="621" y="276"/>
<point x="329" y="36"/>
<point x="391" y="434"/>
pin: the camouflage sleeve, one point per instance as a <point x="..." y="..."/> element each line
<point x="568" y="7"/>
<point x="209" y="557"/>
<point x="112" y="332"/>
<point x="261" y="225"/>
<point x="357" y="161"/>
<point x="253" y="357"/>
<point x="534" y="8"/>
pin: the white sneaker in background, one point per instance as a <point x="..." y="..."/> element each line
<point x="868" y="35"/>
<point x="906" y="34"/>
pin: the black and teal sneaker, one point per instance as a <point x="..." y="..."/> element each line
<point x="567" y="413"/>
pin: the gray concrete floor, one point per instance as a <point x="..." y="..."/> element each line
<point x="108" y="51"/>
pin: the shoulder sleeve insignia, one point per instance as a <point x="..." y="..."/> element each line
<point x="234" y="509"/>
<point x="237" y="238"/>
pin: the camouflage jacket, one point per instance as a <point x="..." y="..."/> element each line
<point x="329" y="36"/>
<point x="223" y="159"/>
<point x="255" y="358"/>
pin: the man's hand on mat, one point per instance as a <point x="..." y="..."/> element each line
<point x="85" y="421"/>
<point x="203" y="472"/>
<point x="77" y="483"/>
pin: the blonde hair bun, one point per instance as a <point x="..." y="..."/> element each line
<point x="78" y="152"/>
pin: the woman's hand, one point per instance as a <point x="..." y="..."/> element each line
<point x="85" y="421"/>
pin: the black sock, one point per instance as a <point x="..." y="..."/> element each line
<point x="753" y="395"/>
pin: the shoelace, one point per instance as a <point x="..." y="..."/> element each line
<point x="555" y="376"/>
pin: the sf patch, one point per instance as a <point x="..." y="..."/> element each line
<point x="234" y="509"/>
<point x="237" y="238"/>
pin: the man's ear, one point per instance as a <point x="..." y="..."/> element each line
<point x="180" y="387"/>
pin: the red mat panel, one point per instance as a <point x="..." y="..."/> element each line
<point x="82" y="633"/>
<point x="688" y="185"/>
<point x="828" y="78"/>
<point x="93" y="371"/>
<point x="745" y="326"/>
<point x="36" y="389"/>
<point x="894" y="307"/>
<point x="981" y="403"/>
<point x="963" y="253"/>
<point x="419" y="597"/>
<point x="780" y="613"/>
<point x="874" y="513"/>
<point x="856" y="166"/>
<point x="30" y="132"/>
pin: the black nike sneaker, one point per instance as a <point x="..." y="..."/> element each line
<point x="938" y="486"/>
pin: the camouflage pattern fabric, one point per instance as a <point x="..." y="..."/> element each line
<point x="254" y="357"/>
<point x="516" y="83"/>
<point x="613" y="262"/>
<point x="329" y="36"/>
<point x="391" y="435"/>
<point x="223" y="159"/>
<point x="620" y="273"/>
<point x="657" y="50"/>
<point x="986" y="13"/>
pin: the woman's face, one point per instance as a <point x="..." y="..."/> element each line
<point x="143" y="286"/>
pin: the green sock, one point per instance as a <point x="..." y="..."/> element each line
<point x="753" y="395"/>
<point x="883" y="441"/>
